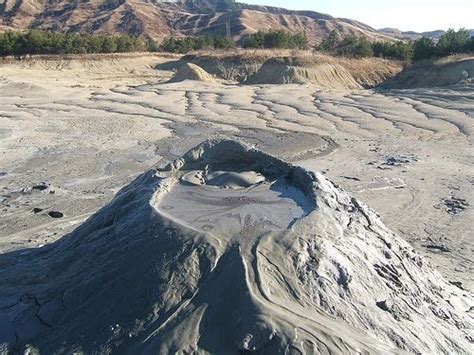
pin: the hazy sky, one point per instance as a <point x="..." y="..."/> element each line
<point x="417" y="15"/>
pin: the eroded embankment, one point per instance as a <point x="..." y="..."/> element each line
<point x="434" y="73"/>
<point x="273" y="67"/>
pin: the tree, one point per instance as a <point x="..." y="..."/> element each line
<point x="221" y="42"/>
<point x="276" y="39"/>
<point x="357" y="47"/>
<point x="10" y="43"/>
<point x="330" y="42"/>
<point x="109" y="44"/>
<point x="424" y="48"/>
<point x="453" y="42"/>
<point x="255" y="40"/>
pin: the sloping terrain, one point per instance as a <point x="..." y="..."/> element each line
<point x="228" y="249"/>
<point x="160" y="19"/>
<point x="434" y="73"/>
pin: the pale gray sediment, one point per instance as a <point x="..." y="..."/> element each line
<point x="138" y="278"/>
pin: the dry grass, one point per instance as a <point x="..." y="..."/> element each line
<point x="89" y="57"/>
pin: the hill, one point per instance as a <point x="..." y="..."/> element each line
<point x="412" y="35"/>
<point x="157" y="20"/>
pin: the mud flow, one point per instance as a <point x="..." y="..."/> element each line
<point x="230" y="202"/>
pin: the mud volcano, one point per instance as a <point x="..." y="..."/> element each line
<point x="225" y="250"/>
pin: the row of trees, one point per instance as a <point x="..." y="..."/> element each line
<point x="451" y="42"/>
<point x="260" y="39"/>
<point x="188" y="44"/>
<point x="43" y="42"/>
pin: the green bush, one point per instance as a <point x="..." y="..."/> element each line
<point x="424" y="48"/>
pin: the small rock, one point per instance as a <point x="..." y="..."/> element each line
<point x="41" y="186"/>
<point x="441" y="248"/>
<point x="55" y="214"/>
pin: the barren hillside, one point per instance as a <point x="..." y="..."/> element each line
<point x="160" y="19"/>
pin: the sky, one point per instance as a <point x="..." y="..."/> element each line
<point x="415" y="15"/>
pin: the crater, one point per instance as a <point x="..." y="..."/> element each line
<point x="231" y="190"/>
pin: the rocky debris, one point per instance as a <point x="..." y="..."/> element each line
<point x="37" y="210"/>
<point x="455" y="205"/>
<point x="398" y="160"/>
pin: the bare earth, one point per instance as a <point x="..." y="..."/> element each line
<point x="72" y="133"/>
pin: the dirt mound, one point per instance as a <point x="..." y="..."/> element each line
<point x="191" y="71"/>
<point x="434" y="73"/>
<point x="224" y="250"/>
<point x="290" y="71"/>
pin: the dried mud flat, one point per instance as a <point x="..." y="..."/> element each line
<point x="73" y="135"/>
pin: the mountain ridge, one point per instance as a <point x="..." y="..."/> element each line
<point x="413" y="35"/>
<point x="158" y="20"/>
